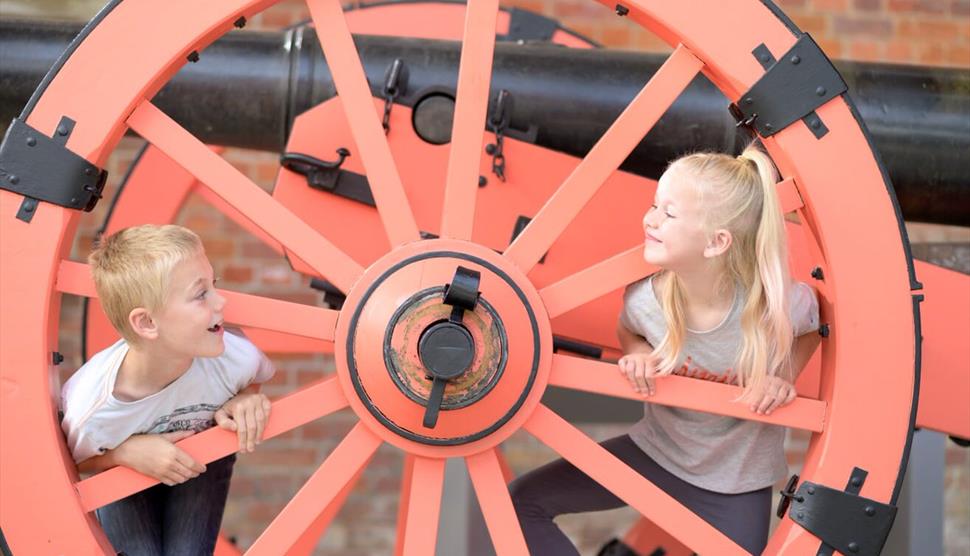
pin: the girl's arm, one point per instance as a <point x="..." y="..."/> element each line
<point x="631" y="342"/>
<point x="805" y="346"/>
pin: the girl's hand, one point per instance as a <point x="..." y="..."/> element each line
<point x="247" y="414"/>
<point x="774" y="392"/>
<point x="639" y="369"/>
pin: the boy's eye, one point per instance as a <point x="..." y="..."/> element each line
<point x="202" y="294"/>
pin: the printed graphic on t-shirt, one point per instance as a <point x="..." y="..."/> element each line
<point x="194" y="418"/>
<point x="693" y="370"/>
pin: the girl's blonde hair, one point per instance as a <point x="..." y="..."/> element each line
<point x="131" y="269"/>
<point x="738" y="194"/>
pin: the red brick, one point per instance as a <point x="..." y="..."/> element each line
<point x="868" y="51"/>
<point x="816" y="25"/>
<point x="258" y="250"/>
<point x="836" y="6"/>
<point x="831" y="47"/>
<point x="867" y="5"/>
<point x="616" y="36"/>
<point x="932" y="54"/>
<point x="219" y="247"/>
<point x="899" y="51"/>
<point x="881" y="27"/>
<point x="288" y="456"/>
<point x="925" y="6"/>
<point x="236" y="274"/>
<point x="958" y="55"/>
<point x="960" y="8"/>
<point x="792" y="3"/>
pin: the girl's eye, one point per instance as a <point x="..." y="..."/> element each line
<point x="669" y="215"/>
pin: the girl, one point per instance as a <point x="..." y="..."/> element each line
<point x="721" y="308"/>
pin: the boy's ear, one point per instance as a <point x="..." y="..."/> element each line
<point x="142" y="323"/>
<point x="719" y="243"/>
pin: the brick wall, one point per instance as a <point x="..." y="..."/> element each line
<point x="910" y="31"/>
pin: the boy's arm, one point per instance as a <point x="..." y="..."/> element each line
<point x="155" y="455"/>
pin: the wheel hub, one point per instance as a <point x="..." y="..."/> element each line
<point x="443" y="325"/>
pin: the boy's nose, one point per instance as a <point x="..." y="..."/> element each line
<point x="220" y="302"/>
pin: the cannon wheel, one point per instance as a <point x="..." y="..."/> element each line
<point x="866" y="386"/>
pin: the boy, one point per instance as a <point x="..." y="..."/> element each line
<point x="172" y="374"/>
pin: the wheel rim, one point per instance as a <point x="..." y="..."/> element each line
<point x="853" y="303"/>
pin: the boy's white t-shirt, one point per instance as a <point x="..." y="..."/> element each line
<point x="95" y="421"/>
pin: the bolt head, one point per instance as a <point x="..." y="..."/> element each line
<point x="796" y="59"/>
<point x="853" y="547"/>
<point x="820" y="91"/>
<point x="13" y="179"/>
<point x="870" y="511"/>
<point x="811" y="490"/>
<point x="31" y="141"/>
<point x="61" y="130"/>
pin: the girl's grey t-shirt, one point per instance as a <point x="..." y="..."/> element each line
<point x="714" y="452"/>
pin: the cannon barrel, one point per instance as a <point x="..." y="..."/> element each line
<point x="248" y="87"/>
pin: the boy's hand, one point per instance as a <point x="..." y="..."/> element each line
<point x="157" y="456"/>
<point x="639" y="369"/>
<point x="773" y="393"/>
<point x="246" y="414"/>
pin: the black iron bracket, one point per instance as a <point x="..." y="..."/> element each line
<point x="41" y="168"/>
<point x="525" y="27"/>
<point x="843" y="520"/>
<point x="327" y="176"/>
<point x="791" y="89"/>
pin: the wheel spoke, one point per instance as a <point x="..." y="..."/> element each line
<point x="600" y="377"/>
<point x="320" y="491"/>
<point x="493" y="497"/>
<point x="239" y="218"/>
<point x="245" y="196"/>
<point x="289" y="412"/>
<point x="423" y="506"/>
<point x="358" y="103"/>
<point x="605" y="157"/>
<point x="471" y="108"/>
<point x="628" y="485"/>
<point x="595" y="281"/>
<point x="242" y="309"/>
<point x="407" y="472"/>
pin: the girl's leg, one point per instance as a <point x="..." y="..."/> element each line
<point x="193" y="511"/>
<point x="559" y="488"/>
<point x="133" y="525"/>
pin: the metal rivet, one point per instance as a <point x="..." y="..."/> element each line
<point x="870" y="511"/>
<point x="482" y="181"/>
<point x="193" y="56"/>
<point x="856" y="481"/>
<point x="815" y="123"/>
<point x="765" y="58"/>
<point x="824" y="331"/>
<point x="490" y="148"/>
<point x="61" y="130"/>
<point x="622" y="10"/>
<point x="769" y="127"/>
<point x="14" y="179"/>
<point x="240" y="23"/>
<point x="749" y="101"/>
<point x="73" y="200"/>
<point x="820" y="91"/>
<point x="817" y="273"/>
<point x="795" y="59"/>
<point x="29" y="207"/>
<point x="853" y="547"/>
<point x="811" y="490"/>
<point x="800" y="515"/>
<point x="31" y="141"/>
<point x="88" y="171"/>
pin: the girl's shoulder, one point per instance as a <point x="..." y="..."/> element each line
<point x="643" y="291"/>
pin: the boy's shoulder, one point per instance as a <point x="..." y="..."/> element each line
<point x="95" y="377"/>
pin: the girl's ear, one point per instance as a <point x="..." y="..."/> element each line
<point x="142" y="323"/>
<point x="719" y="243"/>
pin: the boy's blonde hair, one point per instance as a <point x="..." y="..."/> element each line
<point x="739" y="195"/>
<point x="131" y="269"/>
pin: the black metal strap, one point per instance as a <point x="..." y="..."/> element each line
<point x="791" y="89"/>
<point x="328" y="176"/>
<point x="843" y="520"/>
<point x="525" y="26"/>
<point x="41" y="168"/>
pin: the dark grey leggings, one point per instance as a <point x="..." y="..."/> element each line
<point x="560" y="488"/>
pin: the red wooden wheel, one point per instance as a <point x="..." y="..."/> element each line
<point x="834" y="184"/>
